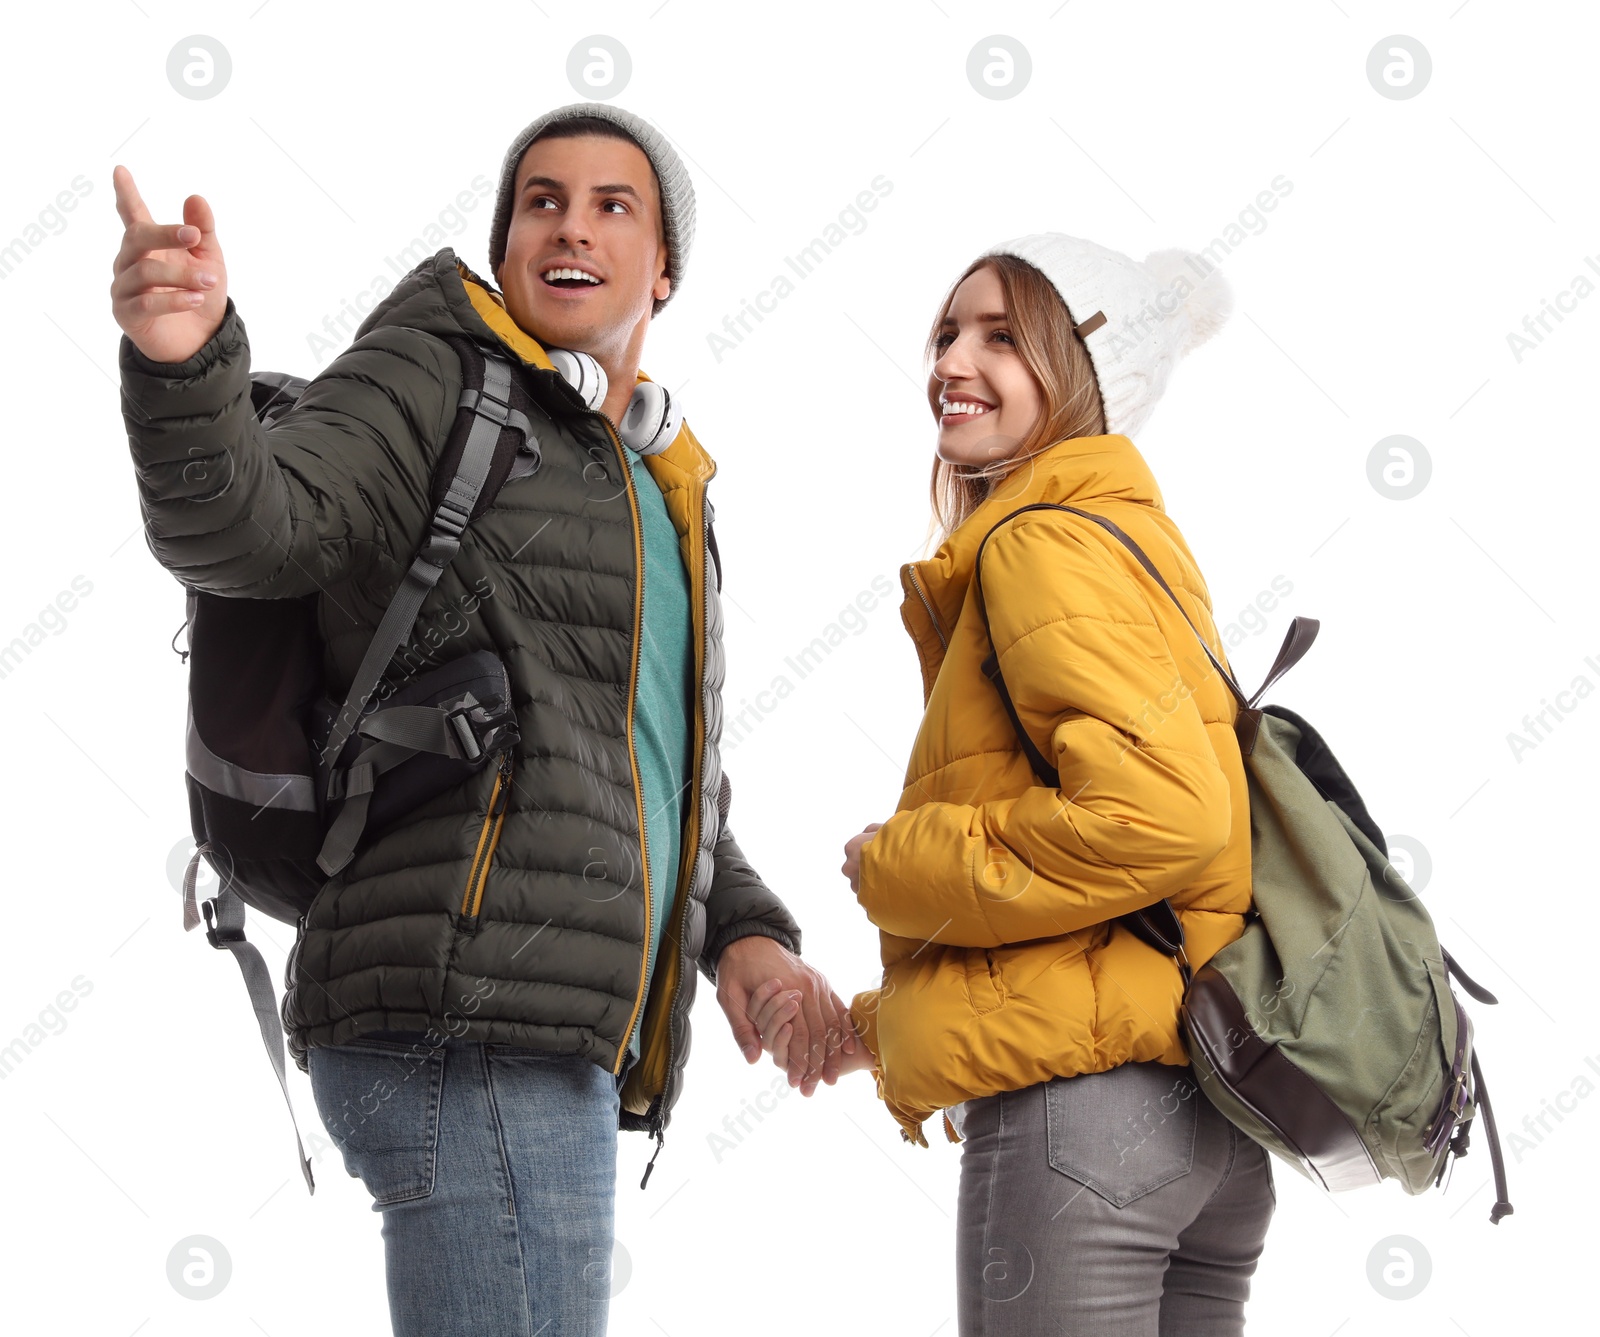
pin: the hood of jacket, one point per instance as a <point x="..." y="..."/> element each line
<point x="443" y="296"/>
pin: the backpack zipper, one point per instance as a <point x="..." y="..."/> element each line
<point x="488" y="840"/>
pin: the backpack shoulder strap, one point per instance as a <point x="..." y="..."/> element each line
<point x="1116" y="531"/>
<point x="1157" y="925"/>
<point x="473" y="464"/>
<point x="485" y="414"/>
<point x="488" y="379"/>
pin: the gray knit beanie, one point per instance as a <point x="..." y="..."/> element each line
<point x="672" y="180"/>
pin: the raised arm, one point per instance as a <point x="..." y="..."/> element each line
<point x="337" y="486"/>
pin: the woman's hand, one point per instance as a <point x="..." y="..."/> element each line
<point x="772" y="1010"/>
<point x="852" y="856"/>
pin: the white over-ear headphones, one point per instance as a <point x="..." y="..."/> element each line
<point x="649" y="423"/>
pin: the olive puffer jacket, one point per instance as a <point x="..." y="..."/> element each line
<point x="532" y="931"/>
<point x="993" y="892"/>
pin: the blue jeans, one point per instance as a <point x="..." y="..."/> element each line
<point x="494" y="1167"/>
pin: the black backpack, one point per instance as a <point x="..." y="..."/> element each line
<point x="284" y="781"/>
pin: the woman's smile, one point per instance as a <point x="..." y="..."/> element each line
<point x="955" y="409"/>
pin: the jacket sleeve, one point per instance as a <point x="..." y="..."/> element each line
<point x="336" y="486"/>
<point x="1143" y="804"/>
<point x="739" y="903"/>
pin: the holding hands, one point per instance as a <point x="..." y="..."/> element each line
<point x="786" y="1015"/>
<point x="819" y="1036"/>
<point x="773" y="1011"/>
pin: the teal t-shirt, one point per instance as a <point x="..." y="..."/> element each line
<point x="663" y="710"/>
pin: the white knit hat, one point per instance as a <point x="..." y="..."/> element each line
<point x="1135" y="319"/>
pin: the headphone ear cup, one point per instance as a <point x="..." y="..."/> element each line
<point x="652" y="421"/>
<point x="582" y="373"/>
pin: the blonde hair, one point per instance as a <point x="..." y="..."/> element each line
<point x="1041" y="328"/>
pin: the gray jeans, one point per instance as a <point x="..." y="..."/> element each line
<point x="1119" y="1203"/>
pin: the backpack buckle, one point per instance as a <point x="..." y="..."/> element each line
<point x="216" y="935"/>
<point x="460" y="723"/>
<point x="479" y="732"/>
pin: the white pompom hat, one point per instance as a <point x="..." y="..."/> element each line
<point x="1135" y="319"/>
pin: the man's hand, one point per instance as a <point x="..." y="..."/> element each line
<point x="821" y="1027"/>
<point x="169" y="289"/>
<point x="852" y="856"/>
<point x="773" y="1009"/>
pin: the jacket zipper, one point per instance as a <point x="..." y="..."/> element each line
<point x="488" y="839"/>
<point x="657" y="1113"/>
<point x="932" y="616"/>
<point x="633" y="760"/>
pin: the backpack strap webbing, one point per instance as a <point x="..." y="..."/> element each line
<point x="1156" y="925"/>
<point x="225" y="931"/>
<point x="492" y="412"/>
<point x="486" y="394"/>
<point x="1502" y="1206"/>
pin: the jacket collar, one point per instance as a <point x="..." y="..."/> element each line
<point x="1080" y="471"/>
<point x="685" y="461"/>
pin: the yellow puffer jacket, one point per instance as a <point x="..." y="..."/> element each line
<point x="992" y="892"/>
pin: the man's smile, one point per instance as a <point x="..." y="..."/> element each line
<point x="566" y="276"/>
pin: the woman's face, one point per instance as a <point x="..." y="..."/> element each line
<point x="982" y="390"/>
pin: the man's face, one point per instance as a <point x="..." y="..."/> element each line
<point x="592" y="204"/>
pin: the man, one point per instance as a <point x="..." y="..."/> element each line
<point x="481" y="1003"/>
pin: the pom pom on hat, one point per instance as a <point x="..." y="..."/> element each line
<point x="1210" y="300"/>
<point x="1155" y="313"/>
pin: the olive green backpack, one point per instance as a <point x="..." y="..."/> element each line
<point x="1329" y="1031"/>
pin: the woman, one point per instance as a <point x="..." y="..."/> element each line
<point x="1101" y="1192"/>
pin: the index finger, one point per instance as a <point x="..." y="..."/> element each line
<point x="759" y="996"/>
<point x="130" y="204"/>
<point x="141" y="232"/>
<point x="815" y="1041"/>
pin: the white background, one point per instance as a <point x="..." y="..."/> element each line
<point x="1375" y="300"/>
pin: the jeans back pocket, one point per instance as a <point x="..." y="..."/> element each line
<point x="379" y="1101"/>
<point x="1126" y="1131"/>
